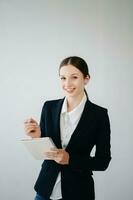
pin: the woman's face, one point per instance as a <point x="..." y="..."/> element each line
<point x="72" y="81"/>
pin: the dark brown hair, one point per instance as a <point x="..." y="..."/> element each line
<point x="77" y="62"/>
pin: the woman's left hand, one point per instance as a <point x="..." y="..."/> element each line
<point x="58" y="155"/>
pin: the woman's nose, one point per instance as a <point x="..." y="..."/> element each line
<point x="68" y="82"/>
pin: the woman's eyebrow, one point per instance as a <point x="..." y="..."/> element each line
<point x="70" y="74"/>
<point x="75" y="74"/>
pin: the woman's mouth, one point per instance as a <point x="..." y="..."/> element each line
<point x="69" y="90"/>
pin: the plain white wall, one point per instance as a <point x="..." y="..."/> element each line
<point x="34" y="37"/>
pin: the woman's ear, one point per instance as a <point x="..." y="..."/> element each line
<point x="87" y="78"/>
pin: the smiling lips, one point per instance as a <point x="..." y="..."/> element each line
<point x="69" y="90"/>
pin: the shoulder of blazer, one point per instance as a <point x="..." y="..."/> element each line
<point x="96" y="111"/>
<point x="96" y="107"/>
<point x="54" y="101"/>
<point x="54" y="105"/>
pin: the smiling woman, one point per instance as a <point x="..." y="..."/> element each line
<point x="75" y="125"/>
<point x="73" y="79"/>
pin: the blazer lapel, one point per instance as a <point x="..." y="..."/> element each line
<point x="56" y="123"/>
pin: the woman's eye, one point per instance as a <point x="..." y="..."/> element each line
<point x="75" y="77"/>
<point x="62" y="78"/>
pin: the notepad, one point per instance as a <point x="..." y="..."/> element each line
<point x="38" y="146"/>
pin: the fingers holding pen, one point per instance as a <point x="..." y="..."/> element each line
<point x="30" y="125"/>
<point x="30" y="120"/>
<point x="32" y="128"/>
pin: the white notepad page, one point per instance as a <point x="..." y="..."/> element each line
<point x="38" y="146"/>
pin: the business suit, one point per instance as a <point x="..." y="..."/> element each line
<point x="92" y="129"/>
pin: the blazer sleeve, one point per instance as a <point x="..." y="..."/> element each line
<point x="102" y="156"/>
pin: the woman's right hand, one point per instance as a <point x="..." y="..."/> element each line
<point x="32" y="128"/>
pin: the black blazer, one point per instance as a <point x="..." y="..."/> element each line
<point x="92" y="130"/>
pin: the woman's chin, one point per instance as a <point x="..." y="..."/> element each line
<point x="70" y="95"/>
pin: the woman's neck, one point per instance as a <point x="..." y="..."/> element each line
<point x="73" y="102"/>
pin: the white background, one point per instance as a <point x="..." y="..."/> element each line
<point x="34" y="37"/>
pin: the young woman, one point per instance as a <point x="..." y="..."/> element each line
<point x="75" y="125"/>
